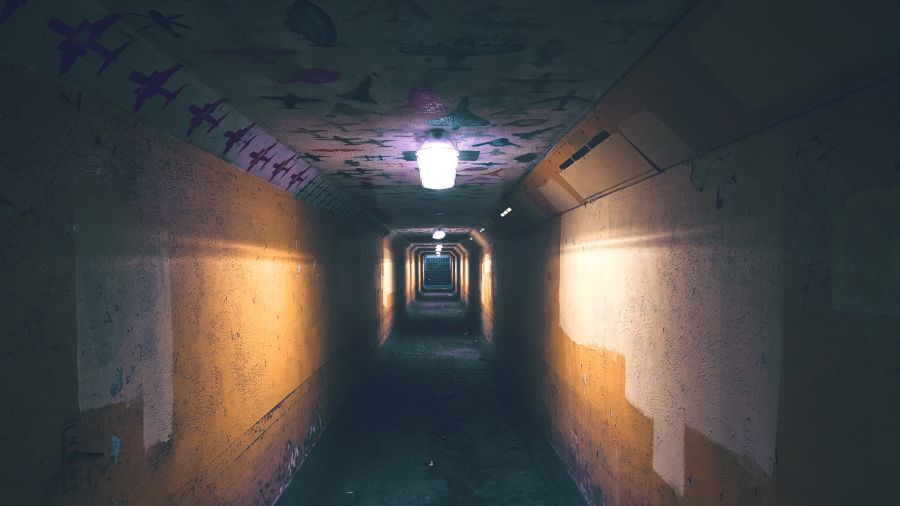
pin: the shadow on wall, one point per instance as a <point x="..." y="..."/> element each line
<point x="192" y="323"/>
<point x="619" y="444"/>
<point x="386" y="289"/>
<point x="486" y="293"/>
<point x="726" y="331"/>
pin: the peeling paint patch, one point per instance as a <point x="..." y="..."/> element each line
<point x="116" y="386"/>
<point x="116" y="448"/>
<point x="124" y="322"/>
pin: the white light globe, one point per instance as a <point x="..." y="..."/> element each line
<point x="438" y="234"/>
<point x="437" y="166"/>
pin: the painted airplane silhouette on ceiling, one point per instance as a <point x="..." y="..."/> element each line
<point x="79" y="40"/>
<point x="205" y="115"/>
<point x="235" y="136"/>
<point x="152" y="85"/>
<point x="9" y="7"/>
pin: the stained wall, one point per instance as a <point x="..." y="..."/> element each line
<point x="195" y="325"/>
<point x="725" y="332"/>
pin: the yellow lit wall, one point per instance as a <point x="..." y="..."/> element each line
<point x="386" y="287"/>
<point x="486" y="291"/>
<point x="697" y="338"/>
<point x="464" y="275"/>
<point x="156" y="294"/>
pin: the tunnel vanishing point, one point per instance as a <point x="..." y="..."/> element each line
<point x="407" y="252"/>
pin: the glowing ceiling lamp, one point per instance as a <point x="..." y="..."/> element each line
<point x="505" y="212"/>
<point x="438" y="234"/>
<point x="437" y="160"/>
<point x="439" y="247"/>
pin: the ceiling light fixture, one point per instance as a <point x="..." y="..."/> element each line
<point x="437" y="159"/>
<point x="481" y="229"/>
<point x="505" y="212"/>
<point x="438" y="234"/>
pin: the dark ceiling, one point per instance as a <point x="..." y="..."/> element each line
<point x="350" y="88"/>
<point x="353" y="85"/>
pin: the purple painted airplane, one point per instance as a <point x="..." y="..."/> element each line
<point x="283" y="167"/>
<point x="205" y="115"/>
<point x="82" y="38"/>
<point x="297" y="178"/>
<point x="152" y="85"/>
<point x="261" y="156"/>
<point x="235" y="136"/>
<point x="246" y="143"/>
<point x="9" y="7"/>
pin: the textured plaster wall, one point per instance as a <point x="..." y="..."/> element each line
<point x="386" y="288"/>
<point x="725" y="332"/>
<point x="194" y="324"/>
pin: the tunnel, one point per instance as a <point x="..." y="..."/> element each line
<point x="408" y="252"/>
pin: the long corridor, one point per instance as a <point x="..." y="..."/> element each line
<point x="488" y="252"/>
<point x="429" y="423"/>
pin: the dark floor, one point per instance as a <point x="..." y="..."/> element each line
<point x="428" y="424"/>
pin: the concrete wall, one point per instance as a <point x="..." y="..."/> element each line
<point x="193" y="323"/>
<point x="727" y="332"/>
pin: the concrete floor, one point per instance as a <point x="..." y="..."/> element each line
<point x="430" y="424"/>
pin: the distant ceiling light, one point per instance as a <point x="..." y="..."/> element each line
<point x="437" y="159"/>
<point x="438" y="234"/>
<point x="481" y="229"/>
<point x="505" y="212"/>
<point x="439" y="247"/>
<point x="470" y="238"/>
